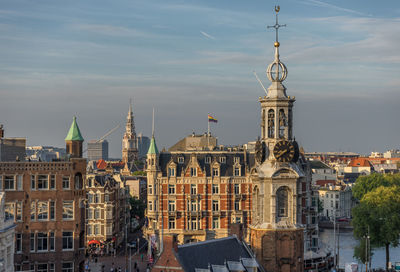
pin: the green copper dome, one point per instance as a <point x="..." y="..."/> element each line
<point x="153" y="147"/>
<point x="74" y="134"/>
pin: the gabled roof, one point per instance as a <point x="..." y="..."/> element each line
<point x="74" y="134"/>
<point x="360" y="162"/>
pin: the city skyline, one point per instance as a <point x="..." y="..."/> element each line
<point x="188" y="59"/>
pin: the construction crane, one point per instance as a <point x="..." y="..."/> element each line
<point x="104" y="136"/>
<point x="259" y="81"/>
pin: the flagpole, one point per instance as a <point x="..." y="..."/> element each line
<point x="208" y="133"/>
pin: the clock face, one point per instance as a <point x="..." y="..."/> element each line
<point x="284" y="151"/>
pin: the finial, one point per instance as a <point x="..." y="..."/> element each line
<point x="276" y="26"/>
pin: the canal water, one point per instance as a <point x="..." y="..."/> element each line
<point x="346" y="249"/>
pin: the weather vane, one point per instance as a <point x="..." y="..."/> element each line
<point x="276" y="26"/>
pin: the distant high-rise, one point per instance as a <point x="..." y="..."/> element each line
<point x="143" y="143"/>
<point x="97" y="150"/>
<point x="129" y="144"/>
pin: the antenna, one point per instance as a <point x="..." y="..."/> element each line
<point x="152" y="131"/>
<point x="259" y="81"/>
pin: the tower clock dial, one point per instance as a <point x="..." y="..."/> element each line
<point x="284" y="151"/>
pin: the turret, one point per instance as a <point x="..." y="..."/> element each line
<point x="74" y="140"/>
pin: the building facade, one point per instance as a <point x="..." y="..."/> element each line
<point x="129" y="143"/>
<point x="11" y="149"/>
<point x="337" y="201"/>
<point x="97" y="150"/>
<point x="46" y="201"/>
<point x="7" y="238"/>
<point x="105" y="217"/>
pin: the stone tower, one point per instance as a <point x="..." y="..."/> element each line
<point x="74" y="140"/>
<point x="276" y="233"/>
<point x="129" y="143"/>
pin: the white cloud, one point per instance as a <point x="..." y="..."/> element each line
<point x="207" y="35"/>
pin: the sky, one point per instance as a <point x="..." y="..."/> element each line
<point x="188" y="59"/>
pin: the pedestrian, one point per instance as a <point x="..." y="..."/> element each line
<point x="119" y="269"/>
<point x="141" y="256"/>
<point x="112" y="269"/>
<point x="137" y="269"/>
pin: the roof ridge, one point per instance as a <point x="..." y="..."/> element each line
<point x="207" y="241"/>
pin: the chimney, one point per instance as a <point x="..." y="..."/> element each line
<point x="1" y="131"/>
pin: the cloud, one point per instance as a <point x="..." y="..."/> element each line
<point x="207" y="35"/>
<point x="318" y="3"/>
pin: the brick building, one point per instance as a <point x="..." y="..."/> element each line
<point x="46" y="200"/>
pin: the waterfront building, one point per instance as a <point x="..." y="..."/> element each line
<point x="46" y="200"/>
<point x="337" y="201"/>
<point x="97" y="150"/>
<point x="7" y="237"/>
<point x="129" y="143"/>
<point x="106" y="212"/>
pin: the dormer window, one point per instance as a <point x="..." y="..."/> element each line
<point x="193" y="172"/>
<point x="181" y="159"/>
<point x="222" y="159"/>
<point x="215" y="172"/>
<point x="236" y="171"/>
<point x="208" y="159"/>
<point x="171" y="172"/>
<point x="236" y="159"/>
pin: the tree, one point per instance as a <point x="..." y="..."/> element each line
<point x="379" y="210"/>
<point x="365" y="184"/>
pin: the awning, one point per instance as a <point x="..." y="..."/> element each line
<point x="91" y="242"/>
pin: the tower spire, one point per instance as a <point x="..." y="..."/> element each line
<point x="152" y="126"/>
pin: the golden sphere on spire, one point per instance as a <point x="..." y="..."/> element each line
<point x="277" y="8"/>
<point x="276" y="44"/>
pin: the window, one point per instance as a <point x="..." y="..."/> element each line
<point x="109" y="230"/>
<point x="313" y="202"/>
<point x="215" y="205"/>
<point x="19" y="182"/>
<point x="171" y="172"/>
<point x="52" y="181"/>
<point x="238" y="220"/>
<point x="89" y="230"/>
<point x="331" y="203"/>
<point x="150" y="205"/>
<point x="52" y="210"/>
<point x="282" y="202"/>
<point x="109" y="213"/>
<point x="33" y="182"/>
<point x="65" y="183"/>
<point x="193" y="189"/>
<point x="237" y="205"/>
<point x="193" y="171"/>
<point x="68" y="210"/>
<point x="215" y="172"/>
<point x="42" y="267"/>
<point x="33" y="210"/>
<point x="42" y="241"/>
<point x="43" y="182"/>
<point x="215" y="223"/>
<point x="9" y="209"/>
<point x="181" y="160"/>
<point x="215" y="188"/>
<point x="90" y="197"/>
<point x="171" y="205"/>
<point x="9" y="183"/>
<point x="193" y="205"/>
<point x="52" y="240"/>
<point x="236" y="171"/>
<point x="96" y="229"/>
<point x="208" y="159"/>
<point x="236" y="159"/>
<point x="90" y="213"/>
<point x="97" y="214"/>
<point x="1" y="183"/>
<point x="67" y="267"/>
<point x="18" y="242"/>
<point x="171" y="189"/>
<point x="337" y="196"/>
<point x="106" y="197"/>
<point x="171" y="223"/>
<point x="271" y="123"/>
<point x="67" y="240"/>
<point x="42" y="210"/>
<point x="236" y="188"/>
<point x="222" y="159"/>
<point x="32" y="241"/>
<point x="52" y="267"/>
<point x="192" y="224"/>
<point x="150" y="189"/>
<point x="97" y="198"/>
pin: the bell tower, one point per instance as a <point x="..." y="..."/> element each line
<point x="129" y="143"/>
<point x="276" y="233"/>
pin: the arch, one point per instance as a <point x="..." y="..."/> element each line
<point x="282" y="202"/>
<point x="78" y="181"/>
<point x="257" y="204"/>
<point x="271" y="123"/>
<point x="282" y="123"/>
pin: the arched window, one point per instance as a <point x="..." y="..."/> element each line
<point x="271" y="123"/>
<point x="282" y="202"/>
<point x="282" y="123"/>
<point x="78" y="181"/>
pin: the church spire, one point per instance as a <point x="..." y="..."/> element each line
<point x="129" y="143"/>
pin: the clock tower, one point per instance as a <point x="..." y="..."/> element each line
<point x="276" y="231"/>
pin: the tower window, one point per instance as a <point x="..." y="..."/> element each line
<point x="271" y="123"/>
<point x="282" y="202"/>
<point x="282" y="123"/>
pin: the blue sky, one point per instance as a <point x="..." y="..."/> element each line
<point x="191" y="58"/>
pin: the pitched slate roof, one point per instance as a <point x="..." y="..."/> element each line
<point x="74" y="134"/>
<point x="217" y="253"/>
